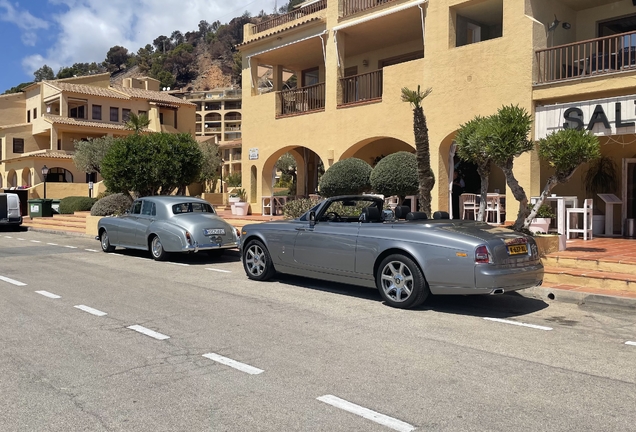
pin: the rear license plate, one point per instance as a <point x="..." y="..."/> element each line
<point x="518" y="249"/>
<point x="214" y="231"/>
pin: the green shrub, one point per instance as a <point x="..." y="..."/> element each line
<point x="545" y="211"/>
<point x="113" y="204"/>
<point x="395" y="174"/>
<point x="282" y="193"/>
<point x="296" y="208"/>
<point x="346" y="177"/>
<point x="233" y="180"/>
<point x="72" y="204"/>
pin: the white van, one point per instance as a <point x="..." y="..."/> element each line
<point x="10" y="213"/>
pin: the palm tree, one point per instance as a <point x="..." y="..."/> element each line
<point x="137" y="123"/>
<point x="425" y="175"/>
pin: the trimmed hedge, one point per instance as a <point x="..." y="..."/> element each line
<point x="113" y="204"/>
<point x="296" y="208"/>
<point x="72" y="204"/>
<point x="346" y="177"/>
<point x="396" y="174"/>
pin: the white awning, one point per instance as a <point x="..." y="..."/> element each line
<point x="379" y="14"/>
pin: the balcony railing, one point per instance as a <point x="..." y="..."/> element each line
<point x="301" y="100"/>
<point x="593" y="57"/>
<point x="290" y="16"/>
<point x="350" y="7"/>
<point x="361" y="88"/>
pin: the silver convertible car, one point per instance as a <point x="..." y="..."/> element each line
<point x="163" y="224"/>
<point x="405" y="255"/>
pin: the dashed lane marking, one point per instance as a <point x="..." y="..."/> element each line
<point x="148" y="332"/>
<point x="630" y="343"/>
<point x="48" y="294"/>
<point x="534" y="326"/>
<point x="18" y="238"/>
<point x="52" y="244"/>
<point x="91" y="250"/>
<point x="12" y="281"/>
<point x="8" y="237"/>
<point x="234" y="364"/>
<point x="366" y="413"/>
<point x="36" y="241"/>
<point x="219" y="270"/>
<point x="90" y="310"/>
<point x="179" y="264"/>
<point x="70" y="247"/>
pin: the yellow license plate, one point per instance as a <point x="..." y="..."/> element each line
<point x="517" y="249"/>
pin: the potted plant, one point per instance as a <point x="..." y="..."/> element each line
<point x="601" y="177"/>
<point x="541" y="222"/>
<point x="242" y="206"/>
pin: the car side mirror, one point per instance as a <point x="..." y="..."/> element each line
<point x="312" y="219"/>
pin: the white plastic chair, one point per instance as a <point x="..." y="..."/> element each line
<point x="469" y="204"/>
<point x="587" y="212"/>
<point x="495" y="207"/>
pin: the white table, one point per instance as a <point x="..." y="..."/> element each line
<point x="562" y="203"/>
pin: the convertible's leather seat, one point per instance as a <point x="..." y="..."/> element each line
<point x="416" y="216"/>
<point x="401" y="212"/>
<point x="370" y="214"/>
<point x="441" y="215"/>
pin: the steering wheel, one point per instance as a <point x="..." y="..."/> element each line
<point x="332" y="216"/>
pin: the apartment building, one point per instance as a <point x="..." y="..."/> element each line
<point x="219" y="118"/>
<point x="565" y="61"/>
<point x="40" y="125"/>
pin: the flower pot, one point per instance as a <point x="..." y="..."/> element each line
<point x="548" y="243"/>
<point x="598" y="225"/>
<point x="233" y="207"/>
<point x="540" y="225"/>
<point x="242" y="208"/>
<point x="233" y="199"/>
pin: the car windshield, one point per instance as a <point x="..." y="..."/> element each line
<point x="192" y="207"/>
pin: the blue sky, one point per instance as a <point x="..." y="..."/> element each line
<point x="62" y="32"/>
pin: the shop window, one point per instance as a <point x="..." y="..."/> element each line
<point x="477" y="21"/>
<point x="18" y="145"/>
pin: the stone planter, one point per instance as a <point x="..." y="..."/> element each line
<point x="549" y="243"/>
<point x="540" y="225"/>
<point x="241" y="208"/>
<point x="233" y="200"/>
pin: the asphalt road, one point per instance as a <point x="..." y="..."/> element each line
<point x="210" y="350"/>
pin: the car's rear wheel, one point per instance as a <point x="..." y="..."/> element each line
<point x="401" y="282"/>
<point x="257" y="261"/>
<point x="156" y="249"/>
<point x="105" y="242"/>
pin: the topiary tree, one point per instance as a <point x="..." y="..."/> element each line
<point x="564" y="150"/>
<point x="396" y="174"/>
<point x="72" y="204"/>
<point x="113" y="204"/>
<point x="346" y="177"/>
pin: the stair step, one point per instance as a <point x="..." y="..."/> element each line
<point x="626" y="265"/>
<point x="591" y="278"/>
<point x="56" y="228"/>
<point x="56" y="223"/>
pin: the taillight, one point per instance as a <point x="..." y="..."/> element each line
<point x="188" y="237"/>
<point x="482" y="256"/>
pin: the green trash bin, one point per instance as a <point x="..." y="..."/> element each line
<point x="40" y="208"/>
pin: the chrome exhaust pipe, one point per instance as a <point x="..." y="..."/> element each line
<point x="497" y="291"/>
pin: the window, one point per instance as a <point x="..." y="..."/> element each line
<point x="77" y="112"/>
<point x="310" y="77"/>
<point x="59" y="175"/>
<point x="97" y="112"/>
<point x="149" y="209"/>
<point x="125" y="114"/>
<point x="192" y="207"/>
<point x="18" y="145"/>
<point x="136" y="207"/>
<point x="35" y="113"/>
<point x="160" y="118"/>
<point x="477" y="21"/>
<point x="28" y="116"/>
<point x="114" y="114"/>
<point x="142" y="113"/>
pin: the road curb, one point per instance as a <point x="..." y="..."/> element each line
<point x="51" y="231"/>
<point x="567" y="296"/>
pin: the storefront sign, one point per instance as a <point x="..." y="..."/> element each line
<point x="603" y="117"/>
<point x="253" y="153"/>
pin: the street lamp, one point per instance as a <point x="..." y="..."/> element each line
<point x="45" y="172"/>
<point x="221" y="188"/>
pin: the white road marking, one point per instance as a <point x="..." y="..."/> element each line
<point x="630" y="343"/>
<point x="115" y="254"/>
<point x="36" y="241"/>
<point x="534" y="326"/>
<point x="91" y="250"/>
<point x="382" y="419"/>
<point x="148" y="332"/>
<point x="8" y="237"/>
<point x="141" y="258"/>
<point x="52" y="244"/>
<point x="48" y="294"/>
<point x="90" y="310"/>
<point x="12" y="281"/>
<point x="218" y="270"/>
<point x="233" y="363"/>
<point x="71" y="247"/>
<point x="179" y="264"/>
<point x="18" y="238"/>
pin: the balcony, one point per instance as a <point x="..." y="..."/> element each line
<point x="350" y="7"/>
<point x="301" y="100"/>
<point x="289" y="17"/>
<point x="365" y="87"/>
<point x="590" y="58"/>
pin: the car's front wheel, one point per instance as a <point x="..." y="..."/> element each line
<point x="257" y="262"/>
<point x="105" y="242"/>
<point x="156" y="249"/>
<point x="401" y="282"/>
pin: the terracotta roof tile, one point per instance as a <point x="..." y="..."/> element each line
<point x="75" y="122"/>
<point x="151" y="95"/>
<point x="89" y="90"/>
<point x="14" y="125"/>
<point x="265" y="35"/>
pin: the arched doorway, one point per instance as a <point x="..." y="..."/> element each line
<point x="12" y="179"/>
<point x="308" y="167"/>
<point x="371" y="150"/>
<point x="26" y="177"/>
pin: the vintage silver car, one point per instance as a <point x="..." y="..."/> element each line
<point x="405" y="255"/>
<point x="163" y="224"/>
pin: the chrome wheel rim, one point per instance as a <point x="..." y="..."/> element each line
<point x="157" y="248"/>
<point x="397" y="281"/>
<point x="105" y="242"/>
<point x="255" y="260"/>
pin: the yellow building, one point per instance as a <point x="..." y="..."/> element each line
<point x="351" y="58"/>
<point x="40" y="125"/>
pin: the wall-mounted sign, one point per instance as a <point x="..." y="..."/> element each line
<point x="603" y="117"/>
<point x="253" y="153"/>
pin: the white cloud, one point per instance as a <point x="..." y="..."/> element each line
<point x="88" y="28"/>
<point x="23" y="20"/>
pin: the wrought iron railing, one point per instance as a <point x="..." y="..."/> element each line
<point x="301" y="100"/>
<point x="363" y="87"/>
<point x="350" y="7"/>
<point x="290" y="16"/>
<point x="592" y="57"/>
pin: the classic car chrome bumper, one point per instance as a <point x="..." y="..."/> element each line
<point x="196" y="247"/>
